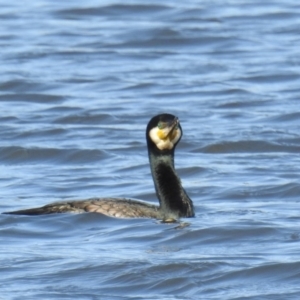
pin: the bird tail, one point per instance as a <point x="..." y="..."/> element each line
<point x="30" y="212"/>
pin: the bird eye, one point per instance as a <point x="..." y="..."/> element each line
<point x="160" y="125"/>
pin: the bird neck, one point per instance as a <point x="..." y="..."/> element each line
<point x="172" y="196"/>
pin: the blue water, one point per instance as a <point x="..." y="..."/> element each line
<point x="80" y="81"/>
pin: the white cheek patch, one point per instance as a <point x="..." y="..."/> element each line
<point x="167" y="143"/>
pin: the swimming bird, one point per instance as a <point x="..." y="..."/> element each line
<point x="163" y="133"/>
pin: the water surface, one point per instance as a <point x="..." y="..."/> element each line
<point x="79" y="83"/>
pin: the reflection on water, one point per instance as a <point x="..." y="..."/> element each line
<point x="79" y="83"/>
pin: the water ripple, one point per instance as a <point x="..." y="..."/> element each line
<point x="78" y="85"/>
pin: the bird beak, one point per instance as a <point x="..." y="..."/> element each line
<point x="172" y="126"/>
